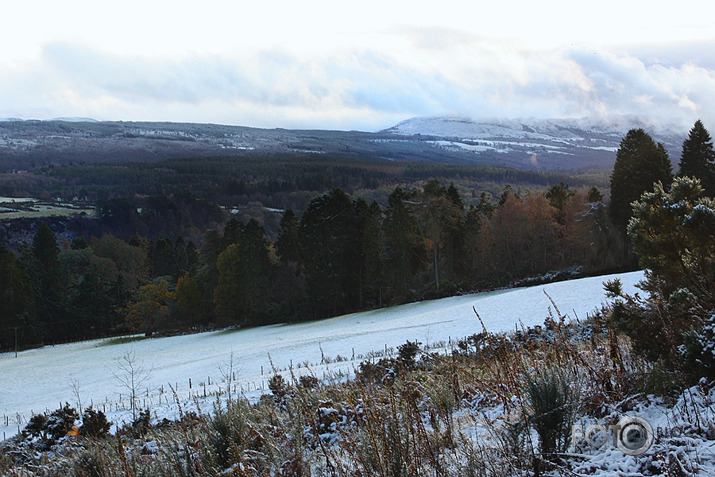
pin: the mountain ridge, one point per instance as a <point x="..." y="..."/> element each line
<point x="541" y="144"/>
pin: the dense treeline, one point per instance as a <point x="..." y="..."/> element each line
<point x="277" y="181"/>
<point x="341" y="253"/>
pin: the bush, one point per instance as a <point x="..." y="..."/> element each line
<point x="138" y="427"/>
<point x="37" y="425"/>
<point x="552" y="396"/>
<point x="308" y="382"/>
<point x="407" y="353"/>
<point x="61" y="421"/>
<point x="94" y="423"/>
<point x="672" y="233"/>
<point x="278" y="386"/>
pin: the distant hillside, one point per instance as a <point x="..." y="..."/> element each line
<point x="538" y="143"/>
<point x="535" y="144"/>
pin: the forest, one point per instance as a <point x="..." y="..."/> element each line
<point x="303" y="238"/>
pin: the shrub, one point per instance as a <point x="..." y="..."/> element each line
<point x="61" y="421"/>
<point x="278" y="386"/>
<point x="552" y="396"/>
<point x="308" y="382"/>
<point x="90" y="464"/>
<point x="94" y="423"/>
<point x="138" y="427"/>
<point x="407" y="353"/>
<point x="37" y="425"/>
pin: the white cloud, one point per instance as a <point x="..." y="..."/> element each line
<point x="426" y="72"/>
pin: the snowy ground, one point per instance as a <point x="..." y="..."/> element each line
<point x="43" y="379"/>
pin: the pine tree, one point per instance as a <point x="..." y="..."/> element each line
<point x="207" y="274"/>
<point x="640" y="162"/>
<point x="368" y="251"/>
<point x="45" y="271"/>
<point x="288" y="245"/>
<point x="227" y="300"/>
<point x="46" y="251"/>
<point x="558" y="194"/>
<point x="255" y="269"/>
<point x="163" y="258"/>
<point x="440" y="212"/>
<point x="594" y="195"/>
<point x="182" y="258"/>
<point x="698" y="158"/>
<point x="244" y="268"/>
<point x="327" y="235"/>
<point x="468" y="246"/>
<point x="454" y="196"/>
<point x="232" y="232"/>
<point x="191" y="303"/>
<point x="17" y="301"/>
<point x="405" y="252"/>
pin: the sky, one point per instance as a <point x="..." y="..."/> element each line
<point x="363" y="65"/>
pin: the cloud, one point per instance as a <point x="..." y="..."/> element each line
<point x="429" y="72"/>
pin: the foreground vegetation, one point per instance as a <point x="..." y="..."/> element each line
<point x="492" y="405"/>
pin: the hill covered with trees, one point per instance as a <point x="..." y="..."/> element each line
<point x="162" y="255"/>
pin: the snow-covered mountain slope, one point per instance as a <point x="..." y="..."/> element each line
<point x="45" y="378"/>
<point x="528" y="144"/>
<point x="545" y="137"/>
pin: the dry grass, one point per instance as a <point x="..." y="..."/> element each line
<point x="460" y="413"/>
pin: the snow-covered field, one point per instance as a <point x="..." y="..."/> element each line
<point x="43" y="379"/>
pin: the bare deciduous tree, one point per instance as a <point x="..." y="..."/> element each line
<point x="131" y="375"/>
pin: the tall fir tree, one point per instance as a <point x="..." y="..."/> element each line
<point x="288" y="245"/>
<point x="405" y="252"/>
<point x="207" y="274"/>
<point x="228" y="303"/>
<point x="368" y="252"/>
<point x="255" y="270"/>
<point x="192" y="305"/>
<point x="241" y="296"/>
<point x="640" y="162"/>
<point x="17" y="302"/>
<point x="698" y="158"/>
<point x="328" y="252"/>
<point x="46" y="274"/>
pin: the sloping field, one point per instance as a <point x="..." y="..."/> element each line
<point x="45" y="378"/>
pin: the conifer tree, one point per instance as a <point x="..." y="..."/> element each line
<point x="454" y="197"/>
<point x="232" y="232"/>
<point x="698" y="157"/>
<point x="45" y="269"/>
<point x="255" y="269"/>
<point x="468" y="246"/>
<point x="594" y="195"/>
<point x="207" y="275"/>
<point x="558" y="194"/>
<point x="46" y="251"/>
<point x="241" y="296"/>
<point x="368" y="251"/>
<point x="288" y="245"/>
<point x="228" y="303"/>
<point x="17" y="301"/>
<point x="640" y="162"/>
<point x="327" y="235"/>
<point x="405" y="252"/>
<point x="190" y="301"/>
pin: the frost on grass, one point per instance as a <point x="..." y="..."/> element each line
<point x="485" y="406"/>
